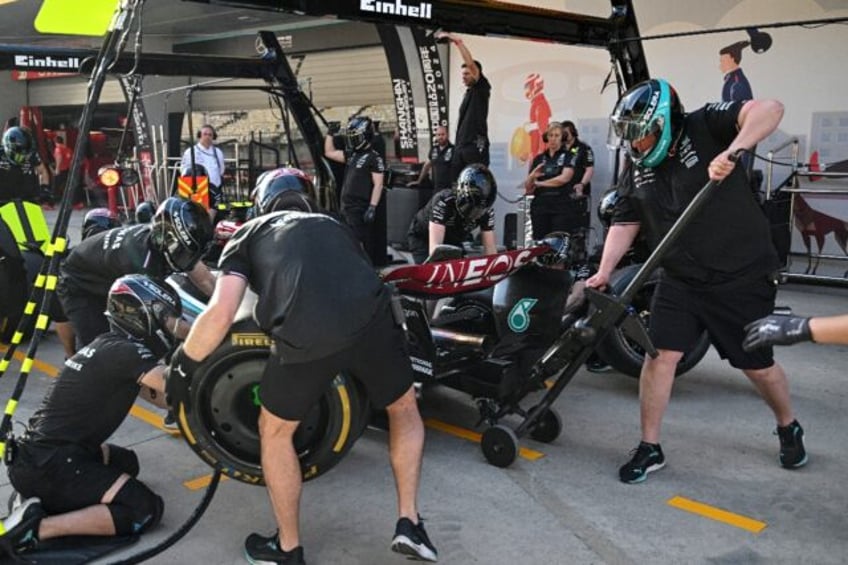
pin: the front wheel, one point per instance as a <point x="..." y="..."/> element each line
<point x="218" y="416"/>
<point x="625" y="355"/>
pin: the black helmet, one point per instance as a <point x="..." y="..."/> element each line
<point x="650" y="107"/>
<point x="17" y="143"/>
<point x="140" y="307"/>
<point x="358" y="134"/>
<point x="182" y="231"/>
<point x="144" y="212"/>
<point x="475" y="191"/>
<point x="284" y="189"/>
<point x="606" y="207"/>
<point x="560" y="244"/>
<point x="97" y="220"/>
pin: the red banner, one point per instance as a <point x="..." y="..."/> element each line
<point x="37" y="75"/>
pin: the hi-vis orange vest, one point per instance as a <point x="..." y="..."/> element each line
<point x="185" y="186"/>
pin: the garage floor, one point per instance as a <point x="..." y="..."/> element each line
<point x="722" y="498"/>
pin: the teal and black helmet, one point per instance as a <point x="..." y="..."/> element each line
<point x="649" y="108"/>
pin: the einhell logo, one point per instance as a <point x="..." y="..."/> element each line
<point x="424" y="10"/>
<point x="48" y="62"/>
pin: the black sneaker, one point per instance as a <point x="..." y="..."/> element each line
<point x="261" y="550"/>
<point x="595" y="365"/>
<point x="411" y="540"/>
<point x="792" y="452"/>
<point x="20" y="528"/>
<point x="647" y="458"/>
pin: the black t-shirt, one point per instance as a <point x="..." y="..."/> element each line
<point x="730" y="237"/>
<point x="92" y="394"/>
<point x="441" y="209"/>
<point x="440" y="160"/>
<point x="358" y="184"/>
<point x="317" y="289"/>
<point x="552" y="166"/>
<point x="93" y="265"/>
<point x="474" y="113"/>
<point x="580" y="158"/>
<point x="19" y="181"/>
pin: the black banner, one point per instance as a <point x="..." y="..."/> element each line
<point x="402" y="92"/>
<point x="434" y="80"/>
<point x="141" y="129"/>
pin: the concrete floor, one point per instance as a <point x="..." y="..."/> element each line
<point x="567" y="506"/>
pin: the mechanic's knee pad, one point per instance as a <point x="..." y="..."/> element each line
<point x="124" y="459"/>
<point x="136" y="508"/>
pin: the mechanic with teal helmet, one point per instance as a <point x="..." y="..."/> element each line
<point x="719" y="274"/>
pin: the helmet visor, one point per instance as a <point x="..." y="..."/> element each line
<point x="635" y="137"/>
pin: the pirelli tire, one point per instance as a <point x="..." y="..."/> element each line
<point x="218" y="413"/>
<point x="624" y="355"/>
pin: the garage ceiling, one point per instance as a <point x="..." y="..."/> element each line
<point x="167" y="20"/>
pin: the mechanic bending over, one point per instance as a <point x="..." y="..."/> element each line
<point x="73" y="481"/>
<point x="452" y="214"/>
<point x="316" y="334"/>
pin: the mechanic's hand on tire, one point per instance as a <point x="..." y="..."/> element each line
<point x="370" y="213"/>
<point x="776" y="330"/>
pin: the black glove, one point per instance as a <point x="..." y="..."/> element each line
<point x="776" y="330"/>
<point x="333" y="128"/>
<point x="182" y="366"/>
<point x="369" y="214"/>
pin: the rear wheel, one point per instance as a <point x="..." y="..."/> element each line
<point x="625" y="355"/>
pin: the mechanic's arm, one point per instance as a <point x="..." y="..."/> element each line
<point x="153" y="386"/>
<point x="618" y="241"/>
<point x="467" y="58"/>
<point x="830" y="329"/>
<point x="377" y="191"/>
<point x="557" y="181"/>
<point x="580" y="187"/>
<point x="530" y="181"/>
<point x="487" y="238"/>
<point x="212" y="324"/>
<point x="43" y="173"/>
<point x="425" y="171"/>
<point x="202" y="278"/>
<point x="437" y="235"/>
<point x="330" y="151"/>
<point x="757" y="120"/>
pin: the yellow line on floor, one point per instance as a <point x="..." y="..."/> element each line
<point x="201" y="482"/>
<point x="45" y="368"/>
<point x="526" y="453"/>
<point x="717" y="514"/>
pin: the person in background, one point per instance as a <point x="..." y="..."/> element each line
<point x="211" y="158"/>
<point x="22" y="173"/>
<point x="472" y="128"/>
<point x="437" y="168"/>
<point x="363" y="182"/>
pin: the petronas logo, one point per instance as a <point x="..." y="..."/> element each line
<point x="519" y="317"/>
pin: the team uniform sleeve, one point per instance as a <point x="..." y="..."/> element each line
<point x="439" y="213"/>
<point x="235" y="259"/>
<point x="378" y="165"/>
<point x="487" y="221"/>
<point x="722" y="120"/>
<point x="625" y="212"/>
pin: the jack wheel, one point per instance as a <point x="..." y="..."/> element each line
<point x="500" y="445"/>
<point x="548" y="427"/>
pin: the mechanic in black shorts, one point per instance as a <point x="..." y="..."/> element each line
<point x="363" y="182"/>
<point x="719" y="275"/>
<point x="73" y="482"/>
<point x="174" y="241"/>
<point x="452" y="214"/>
<point x="296" y="262"/>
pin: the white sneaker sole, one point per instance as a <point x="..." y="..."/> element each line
<point x="419" y="551"/>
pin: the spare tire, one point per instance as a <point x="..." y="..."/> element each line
<point x="623" y="354"/>
<point x="218" y="412"/>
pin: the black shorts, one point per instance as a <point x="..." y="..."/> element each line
<point x="86" y="314"/>
<point x="378" y="359"/>
<point x="69" y="479"/>
<point x="680" y="313"/>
